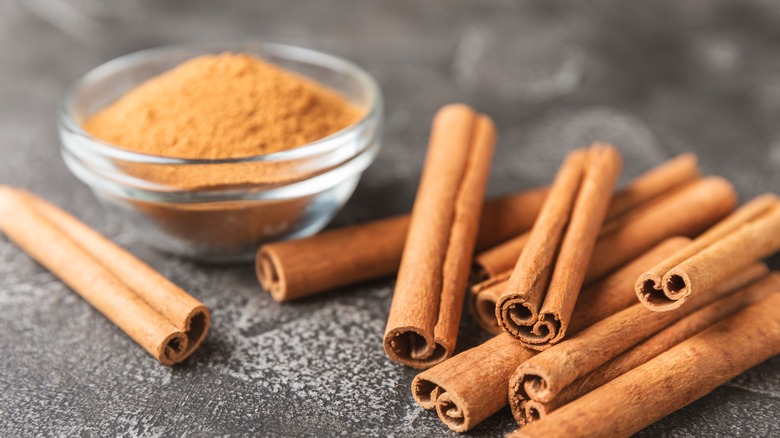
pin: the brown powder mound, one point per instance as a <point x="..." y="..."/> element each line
<point x="223" y="106"/>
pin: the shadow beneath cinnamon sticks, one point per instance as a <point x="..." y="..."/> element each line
<point x="470" y="333"/>
<point x="501" y="423"/>
<point x="774" y="262"/>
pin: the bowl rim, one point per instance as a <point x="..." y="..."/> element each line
<point x="292" y="52"/>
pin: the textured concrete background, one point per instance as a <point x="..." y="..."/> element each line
<point x="657" y="79"/>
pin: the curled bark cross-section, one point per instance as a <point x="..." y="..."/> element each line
<point x="518" y="316"/>
<point x="451" y="411"/>
<point x="483" y="297"/>
<point x="522" y="321"/>
<point x="182" y="344"/>
<point x="195" y="330"/>
<point x="425" y="393"/>
<point x="660" y="293"/>
<point x="532" y="411"/>
<point x="412" y="344"/>
<point x="269" y="274"/>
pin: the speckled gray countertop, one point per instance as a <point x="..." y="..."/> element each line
<point x="657" y="79"/>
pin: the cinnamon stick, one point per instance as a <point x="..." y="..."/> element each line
<point x="670" y="381"/>
<point x="425" y="312"/>
<point x="471" y="386"/>
<point x="526" y="411"/>
<point x="544" y="376"/>
<point x="295" y="269"/>
<point x="642" y="191"/>
<point x="166" y="321"/>
<point x="705" y="202"/>
<point x="542" y="290"/>
<point x="748" y="235"/>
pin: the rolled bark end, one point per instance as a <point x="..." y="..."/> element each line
<point x="270" y="274"/>
<point x="172" y="349"/>
<point x="519" y="313"/>
<point x="541" y="334"/>
<point x="528" y="394"/>
<point x="517" y="406"/>
<point x="410" y="346"/>
<point x="533" y="411"/>
<point x="483" y="299"/>
<point x="452" y="413"/>
<point x="198" y="323"/>
<point x="536" y="388"/>
<point x="651" y="291"/>
<point x="179" y="346"/>
<point x="677" y="285"/>
<point x="514" y="315"/>
<point x="485" y="312"/>
<point x="555" y="326"/>
<point x="531" y="383"/>
<point x="425" y="392"/>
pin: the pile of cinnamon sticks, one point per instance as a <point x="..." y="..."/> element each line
<point x="610" y="309"/>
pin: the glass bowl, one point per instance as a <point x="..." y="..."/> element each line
<point x="222" y="210"/>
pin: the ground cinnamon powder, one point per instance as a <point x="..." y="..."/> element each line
<point x="212" y="107"/>
<point x="222" y="106"/>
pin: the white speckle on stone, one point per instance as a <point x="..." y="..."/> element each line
<point x="567" y="130"/>
<point x="774" y="154"/>
<point x="466" y="60"/>
<point x="719" y="54"/>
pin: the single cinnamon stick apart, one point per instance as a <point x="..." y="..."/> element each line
<point x="526" y="411"/>
<point x="299" y="268"/>
<point x="543" y="288"/>
<point x="425" y="312"/>
<point x="544" y="376"/>
<point x="705" y="202"/>
<point x="642" y="191"/>
<point x="672" y="380"/>
<point x="748" y="235"/>
<point x="471" y="386"/>
<point x="159" y="316"/>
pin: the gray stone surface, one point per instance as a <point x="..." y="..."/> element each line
<point x="657" y="78"/>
